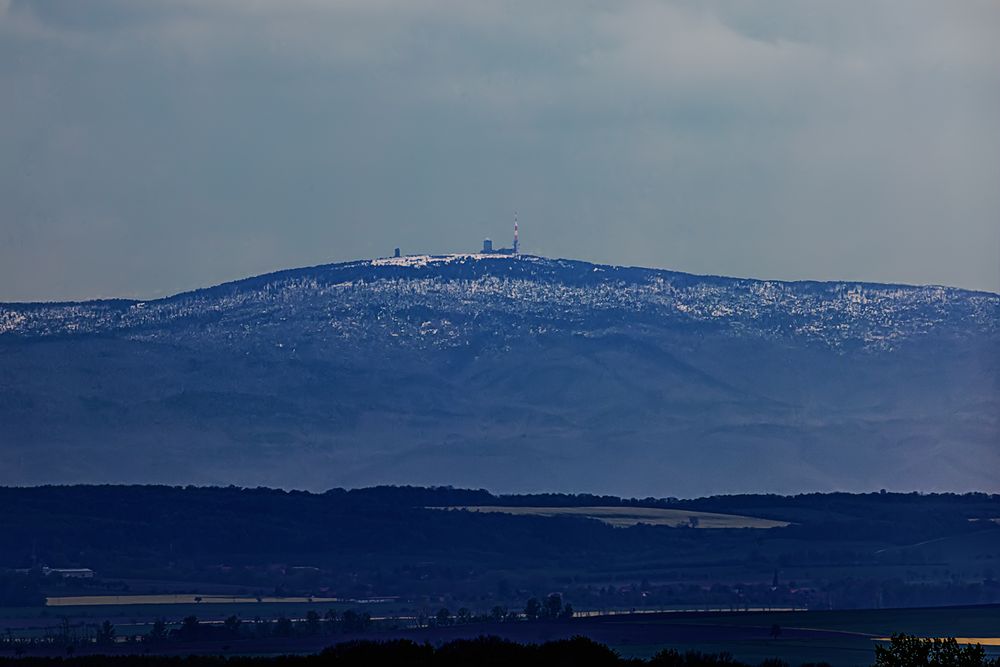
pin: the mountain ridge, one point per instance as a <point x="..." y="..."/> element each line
<point x="670" y="293"/>
<point x="512" y="373"/>
<point x="374" y="261"/>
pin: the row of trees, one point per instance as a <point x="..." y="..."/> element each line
<point x="329" y="624"/>
<point x="552" y="607"/>
<point x="191" y="628"/>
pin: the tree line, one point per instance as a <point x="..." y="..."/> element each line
<point x="332" y="623"/>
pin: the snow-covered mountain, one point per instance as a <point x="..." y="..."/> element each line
<point x="385" y="297"/>
<point x="513" y="372"/>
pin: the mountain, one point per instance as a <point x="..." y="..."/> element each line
<point x="516" y="373"/>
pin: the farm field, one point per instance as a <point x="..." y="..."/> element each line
<point x="623" y="517"/>
<point x="99" y="600"/>
<point x="845" y="637"/>
<point x="980" y="621"/>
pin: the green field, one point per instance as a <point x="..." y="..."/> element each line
<point x="623" y="517"/>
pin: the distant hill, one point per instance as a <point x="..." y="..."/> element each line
<point x="826" y="549"/>
<point x="513" y="373"/>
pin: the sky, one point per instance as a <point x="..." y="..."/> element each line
<point x="152" y="147"/>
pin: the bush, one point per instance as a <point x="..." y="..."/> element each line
<point x="908" y="651"/>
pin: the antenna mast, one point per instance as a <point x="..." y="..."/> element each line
<point x="517" y="249"/>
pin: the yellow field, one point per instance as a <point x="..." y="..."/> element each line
<point x="622" y="517"/>
<point x="80" y="600"/>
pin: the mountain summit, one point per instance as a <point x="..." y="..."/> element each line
<point x="513" y="372"/>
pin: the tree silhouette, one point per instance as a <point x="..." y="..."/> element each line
<point x="331" y="618"/>
<point x="312" y="625"/>
<point x="907" y="651"/>
<point x="106" y="633"/>
<point x="283" y="627"/>
<point x="352" y="621"/>
<point x="232" y="625"/>
<point x="553" y="606"/>
<point x="158" y="632"/>
<point x="189" y="628"/>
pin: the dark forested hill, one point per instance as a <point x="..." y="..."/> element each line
<point x="514" y="373"/>
<point x="131" y="524"/>
<point x="387" y="541"/>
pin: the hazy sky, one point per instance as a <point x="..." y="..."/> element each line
<point x="149" y="146"/>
